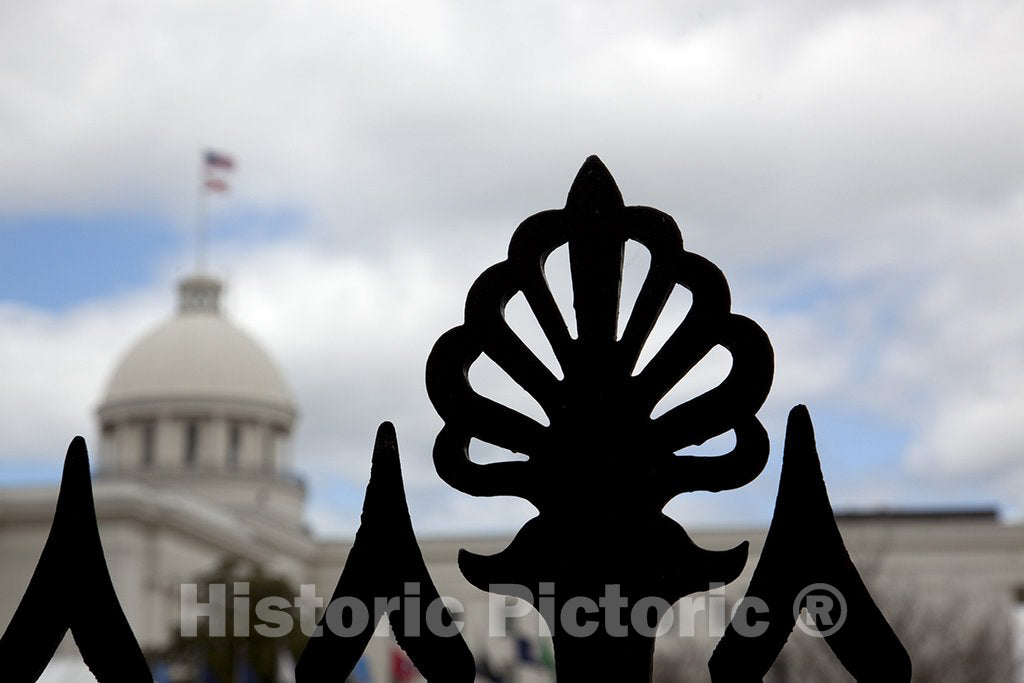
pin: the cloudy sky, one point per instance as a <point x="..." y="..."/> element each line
<point x="856" y="169"/>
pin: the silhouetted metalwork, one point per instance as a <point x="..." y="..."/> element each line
<point x="804" y="548"/>
<point x="599" y="474"/>
<point x="602" y="470"/>
<point x="71" y="589"/>
<point x="384" y="560"/>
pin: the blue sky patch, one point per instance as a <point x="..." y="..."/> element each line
<point x="54" y="262"/>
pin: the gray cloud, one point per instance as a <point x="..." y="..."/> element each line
<point x="855" y="169"/>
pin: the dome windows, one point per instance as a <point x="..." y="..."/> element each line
<point x="148" y="443"/>
<point x="191" y="443"/>
<point x="234" y="445"/>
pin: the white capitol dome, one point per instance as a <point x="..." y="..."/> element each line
<point x="198" y="356"/>
<point x="197" y="403"/>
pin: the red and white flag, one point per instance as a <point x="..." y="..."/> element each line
<point x="216" y="185"/>
<point x="216" y="165"/>
<point x="402" y="670"/>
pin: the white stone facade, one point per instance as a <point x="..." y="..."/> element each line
<point x="195" y="467"/>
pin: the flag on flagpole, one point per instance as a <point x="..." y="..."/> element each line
<point x="547" y="654"/>
<point x="524" y="651"/>
<point x="361" y="674"/>
<point x="402" y="669"/>
<point x="527" y="653"/>
<point x="215" y="166"/>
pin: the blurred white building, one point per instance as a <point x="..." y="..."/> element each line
<point x="195" y="466"/>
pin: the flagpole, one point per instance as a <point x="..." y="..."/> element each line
<point x="201" y="194"/>
<point x="210" y="163"/>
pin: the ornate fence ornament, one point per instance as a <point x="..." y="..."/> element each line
<point x="599" y="474"/>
